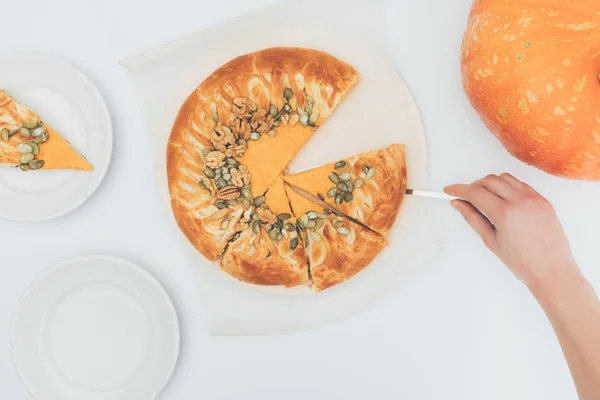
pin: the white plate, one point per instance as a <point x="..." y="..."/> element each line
<point x="95" y="328"/>
<point x="69" y="102"/>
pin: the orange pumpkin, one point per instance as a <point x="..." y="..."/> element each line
<point x="531" y="69"/>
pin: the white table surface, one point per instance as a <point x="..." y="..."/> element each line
<point x="462" y="328"/>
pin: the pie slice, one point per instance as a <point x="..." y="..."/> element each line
<point x="369" y="187"/>
<point x="262" y="107"/>
<point x="337" y="248"/>
<point x="267" y="251"/>
<point x="205" y="215"/>
<point x="27" y="142"/>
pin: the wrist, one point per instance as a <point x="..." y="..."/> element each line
<point x="562" y="282"/>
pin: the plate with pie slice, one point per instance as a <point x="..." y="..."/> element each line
<point x="55" y="138"/>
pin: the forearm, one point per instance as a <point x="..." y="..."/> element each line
<point x="573" y="309"/>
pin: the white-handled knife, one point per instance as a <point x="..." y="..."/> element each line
<point x="432" y="195"/>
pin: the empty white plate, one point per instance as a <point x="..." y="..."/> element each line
<point x="96" y="328"/>
<point x="69" y="102"/>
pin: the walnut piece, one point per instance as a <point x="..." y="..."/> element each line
<point x="265" y="215"/>
<point x="241" y="128"/>
<point x="222" y="137"/>
<point x="243" y="108"/>
<point x="215" y="159"/>
<point x="240" y="176"/>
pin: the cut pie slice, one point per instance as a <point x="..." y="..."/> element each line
<point x="369" y="187"/>
<point x="27" y="142"/>
<point x="262" y="107"/>
<point x="267" y="251"/>
<point x="337" y="248"/>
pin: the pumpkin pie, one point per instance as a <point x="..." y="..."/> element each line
<point x="337" y="248"/>
<point x="267" y="249"/>
<point x="368" y="187"/>
<point x="29" y="143"/>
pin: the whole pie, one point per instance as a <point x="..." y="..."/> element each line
<point x="29" y="143"/>
<point x="226" y="163"/>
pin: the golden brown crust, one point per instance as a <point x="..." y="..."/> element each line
<point x="377" y="201"/>
<point x="193" y="206"/>
<point x="334" y="255"/>
<point x="259" y="260"/>
<point x="337" y="258"/>
<point x="262" y="78"/>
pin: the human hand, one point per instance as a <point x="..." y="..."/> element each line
<point x="518" y="225"/>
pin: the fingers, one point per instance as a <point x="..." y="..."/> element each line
<point x="517" y="184"/>
<point x="478" y="196"/>
<point x="477" y="221"/>
<point x="500" y="187"/>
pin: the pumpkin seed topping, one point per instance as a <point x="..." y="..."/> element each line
<point x="274" y="234"/>
<point x="365" y="168"/>
<point x="337" y="223"/>
<point x="311" y="224"/>
<point x="287" y="108"/>
<point x="26" y="133"/>
<point x="31" y="124"/>
<point x="350" y="186"/>
<point x="36" y="148"/>
<point x="25" y="148"/>
<point x="259" y="201"/>
<point x="285" y="216"/>
<point x="288" y="93"/>
<point x="333" y="177"/>
<point x="332" y="192"/>
<point x="321" y="197"/>
<point x="289" y="227"/>
<point x="293" y="244"/>
<point x="358" y="183"/>
<point x="40" y="139"/>
<point x="340" y="165"/>
<point x="210" y="173"/>
<point x="345" y="176"/>
<point x="256" y="227"/>
<point x="314" y="117"/>
<point x="339" y="198"/>
<point x="27" y="158"/>
<point x="371" y="173"/>
<point x="37" y="132"/>
<point x="246" y="203"/>
<point x="343" y="231"/>
<point x="4" y="134"/>
<point x="348" y="197"/>
<point x="319" y="223"/>
<point x="312" y="215"/>
<point x="25" y="167"/>
<point x="304" y="118"/>
<point x="246" y="194"/>
<point x="273" y="110"/>
<point x="255" y="136"/>
<point x="220" y="204"/>
<point x="342" y="187"/>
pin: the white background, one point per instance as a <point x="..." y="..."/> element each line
<point x="462" y="328"/>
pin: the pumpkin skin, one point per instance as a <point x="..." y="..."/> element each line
<point x="531" y="69"/>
